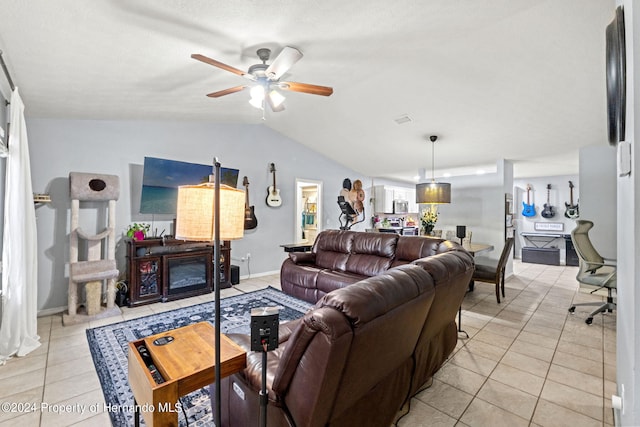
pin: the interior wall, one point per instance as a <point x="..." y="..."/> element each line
<point x="628" y="238"/>
<point x="3" y="164"/>
<point x="598" y="203"/>
<point x="559" y="194"/>
<point x="58" y="147"/>
<point x="478" y="203"/>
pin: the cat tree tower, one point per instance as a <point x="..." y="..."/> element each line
<point x="92" y="256"/>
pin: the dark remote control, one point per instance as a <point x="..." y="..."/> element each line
<point x="148" y="361"/>
<point x="163" y="340"/>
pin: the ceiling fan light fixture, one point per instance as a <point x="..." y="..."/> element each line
<point x="266" y="77"/>
<point x="276" y="98"/>
<point x="257" y="96"/>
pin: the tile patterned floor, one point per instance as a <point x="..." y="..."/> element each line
<point x="526" y="362"/>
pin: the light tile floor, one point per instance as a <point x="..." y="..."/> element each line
<point x="527" y="362"/>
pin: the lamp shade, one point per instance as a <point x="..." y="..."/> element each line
<point x="196" y="212"/>
<point x="433" y="193"/>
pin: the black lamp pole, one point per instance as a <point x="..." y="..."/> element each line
<point x="216" y="281"/>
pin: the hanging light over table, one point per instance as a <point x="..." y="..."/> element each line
<point x="433" y="192"/>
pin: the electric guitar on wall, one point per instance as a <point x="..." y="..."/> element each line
<point x="572" y="210"/>
<point x="527" y="208"/>
<point x="548" y="211"/>
<point x="273" y="194"/>
<point x="250" y="220"/>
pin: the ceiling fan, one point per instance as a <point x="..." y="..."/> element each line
<point x="266" y="78"/>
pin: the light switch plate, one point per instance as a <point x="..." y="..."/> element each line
<point x="624" y="158"/>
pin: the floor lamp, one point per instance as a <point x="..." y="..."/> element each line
<point x="211" y="212"/>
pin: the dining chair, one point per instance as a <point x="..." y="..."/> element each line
<point x="493" y="272"/>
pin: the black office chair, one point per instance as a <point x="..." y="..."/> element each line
<point x="593" y="270"/>
<point x="494" y="272"/>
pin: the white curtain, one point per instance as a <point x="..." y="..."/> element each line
<point x="18" y="330"/>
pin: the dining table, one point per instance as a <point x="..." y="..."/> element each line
<point x="477" y="248"/>
<point x="473" y="249"/>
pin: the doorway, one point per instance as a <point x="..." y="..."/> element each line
<point x="308" y="215"/>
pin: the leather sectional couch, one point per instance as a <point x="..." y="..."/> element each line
<point x="339" y="258"/>
<point x="369" y="344"/>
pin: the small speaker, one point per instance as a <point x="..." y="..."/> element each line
<point x="461" y="231"/>
<point x="264" y="328"/>
<point x="235" y="274"/>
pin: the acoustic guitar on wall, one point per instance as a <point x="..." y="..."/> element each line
<point x="548" y="211"/>
<point x="273" y="194"/>
<point x="572" y="211"/>
<point x="250" y="220"/>
<point x="528" y="209"/>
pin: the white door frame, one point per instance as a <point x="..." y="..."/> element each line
<point x="299" y="206"/>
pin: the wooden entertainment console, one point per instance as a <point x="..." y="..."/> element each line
<point x="154" y="264"/>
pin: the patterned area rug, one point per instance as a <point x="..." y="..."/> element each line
<point x="109" y="349"/>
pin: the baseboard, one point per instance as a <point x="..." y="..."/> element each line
<point x="51" y="311"/>
<point x="265" y="273"/>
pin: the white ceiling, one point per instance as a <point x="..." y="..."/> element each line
<point x="515" y="79"/>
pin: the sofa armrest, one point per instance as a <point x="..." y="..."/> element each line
<point x="285" y="329"/>
<point x="302" y="257"/>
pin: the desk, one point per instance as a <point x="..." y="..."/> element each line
<point x="297" y="247"/>
<point x="186" y="364"/>
<point x="544" y="249"/>
<point x="541" y="240"/>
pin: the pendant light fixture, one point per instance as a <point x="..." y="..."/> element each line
<point x="433" y="192"/>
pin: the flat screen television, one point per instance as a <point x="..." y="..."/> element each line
<point x="161" y="179"/>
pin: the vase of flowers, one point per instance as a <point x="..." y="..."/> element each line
<point x="138" y="231"/>
<point x="428" y="220"/>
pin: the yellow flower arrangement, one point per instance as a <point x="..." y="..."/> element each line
<point x="429" y="216"/>
<point x="428" y="219"/>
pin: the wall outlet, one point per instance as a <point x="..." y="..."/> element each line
<point x="248" y="256"/>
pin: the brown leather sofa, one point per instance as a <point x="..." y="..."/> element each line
<point x="348" y="362"/>
<point x="364" y="349"/>
<point x="339" y="258"/>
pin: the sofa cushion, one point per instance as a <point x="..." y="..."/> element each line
<point x="328" y="280"/>
<point x="372" y="253"/>
<point x="332" y="249"/>
<point x="410" y="248"/>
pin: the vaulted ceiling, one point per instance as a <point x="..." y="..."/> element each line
<point x="515" y="79"/>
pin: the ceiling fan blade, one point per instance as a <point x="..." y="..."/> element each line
<point x="221" y="65"/>
<point x="224" y="92"/>
<point x="282" y="63"/>
<point x="306" y="88"/>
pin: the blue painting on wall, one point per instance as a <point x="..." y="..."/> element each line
<point x="161" y="179"/>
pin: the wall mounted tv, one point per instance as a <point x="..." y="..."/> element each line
<point x="161" y="179"/>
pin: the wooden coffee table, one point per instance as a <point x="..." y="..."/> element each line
<point x="186" y="364"/>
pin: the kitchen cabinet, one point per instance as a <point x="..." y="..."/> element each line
<point x="385" y="195"/>
<point x="383" y="199"/>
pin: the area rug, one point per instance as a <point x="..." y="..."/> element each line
<point x="109" y="348"/>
